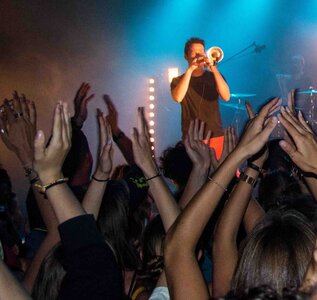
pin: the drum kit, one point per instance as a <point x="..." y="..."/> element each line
<point x="305" y="101"/>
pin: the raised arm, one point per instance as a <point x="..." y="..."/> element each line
<point x="302" y="147"/>
<point x="199" y="153"/>
<point x="225" y="252"/>
<point x="18" y="121"/>
<point x="122" y="141"/>
<point x="184" y="278"/>
<point x="93" y="197"/>
<point x="163" y="198"/>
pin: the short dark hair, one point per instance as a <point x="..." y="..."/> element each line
<point x="193" y="40"/>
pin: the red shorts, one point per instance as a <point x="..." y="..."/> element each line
<point x="217" y="144"/>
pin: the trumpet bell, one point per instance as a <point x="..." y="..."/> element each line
<point x="215" y="54"/>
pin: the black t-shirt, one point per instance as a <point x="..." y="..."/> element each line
<point x="201" y="101"/>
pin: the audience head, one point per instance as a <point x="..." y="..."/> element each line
<point x="50" y="275"/>
<point x="277" y="252"/>
<point x="113" y="221"/>
<point x="176" y="164"/>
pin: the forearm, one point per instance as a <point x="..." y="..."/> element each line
<point x="195" y="181"/>
<point x="221" y="86"/>
<point x="253" y="215"/>
<point x="64" y="203"/>
<point x="10" y="287"/>
<point x="93" y="197"/>
<point x="180" y="90"/>
<point x="164" y="201"/>
<point x="189" y="226"/>
<point x="312" y="185"/>
<point x="225" y="252"/>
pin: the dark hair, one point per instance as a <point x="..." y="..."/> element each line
<point x="113" y="221"/>
<point x="278" y="188"/>
<point x="176" y="164"/>
<point x="193" y="40"/>
<point x="265" y="292"/>
<point x="152" y="239"/>
<point x="50" y="275"/>
<point x="276" y="253"/>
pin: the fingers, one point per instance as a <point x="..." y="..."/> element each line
<point x="270" y="108"/>
<point x="267" y="130"/>
<point x="291" y="101"/>
<point x="289" y="149"/>
<point x="39" y="145"/>
<point x="102" y="131"/>
<point x="250" y="110"/>
<point x="57" y="125"/>
<point x="304" y="123"/>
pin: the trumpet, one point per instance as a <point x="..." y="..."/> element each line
<point x="215" y="55"/>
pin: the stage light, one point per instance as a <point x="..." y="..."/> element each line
<point x="151" y="89"/>
<point x="151" y="97"/>
<point x="151" y="81"/>
<point x="152" y="123"/>
<point x="151" y="131"/>
<point x="151" y="114"/>
<point x="151" y="106"/>
<point x="152" y="139"/>
<point x="172" y="72"/>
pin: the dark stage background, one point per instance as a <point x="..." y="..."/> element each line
<point x="47" y="48"/>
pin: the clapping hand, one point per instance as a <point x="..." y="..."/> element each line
<point x="197" y="150"/>
<point x="80" y="103"/>
<point x="302" y="147"/>
<point x="48" y="160"/>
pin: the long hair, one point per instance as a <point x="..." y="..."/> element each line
<point x="113" y="221"/>
<point x="50" y="275"/>
<point x="276" y="253"/>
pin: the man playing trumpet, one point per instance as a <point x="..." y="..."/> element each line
<point x="198" y="90"/>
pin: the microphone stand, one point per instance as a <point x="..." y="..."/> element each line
<point x="238" y="53"/>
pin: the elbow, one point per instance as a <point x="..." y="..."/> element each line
<point x="176" y="97"/>
<point x="226" y="96"/>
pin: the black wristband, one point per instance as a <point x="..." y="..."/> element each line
<point x="100" y="180"/>
<point x="254" y="167"/>
<point x="157" y="175"/>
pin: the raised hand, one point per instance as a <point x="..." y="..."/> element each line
<point x="258" y="130"/>
<point x="105" y="156"/>
<point x="80" y="103"/>
<point x="143" y="155"/>
<point x="302" y="149"/>
<point x="229" y="143"/>
<point x="112" y="116"/>
<point x="197" y="150"/>
<point x="17" y="127"/>
<point x="48" y="160"/>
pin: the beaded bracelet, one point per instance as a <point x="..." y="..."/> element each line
<point x="44" y="188"/>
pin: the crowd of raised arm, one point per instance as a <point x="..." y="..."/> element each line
<point x="237" y="227"/>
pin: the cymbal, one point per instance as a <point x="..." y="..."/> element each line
<point x="241" y="95"/>
<point x="231" y="105"/>
<point x="308" y="92"/>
